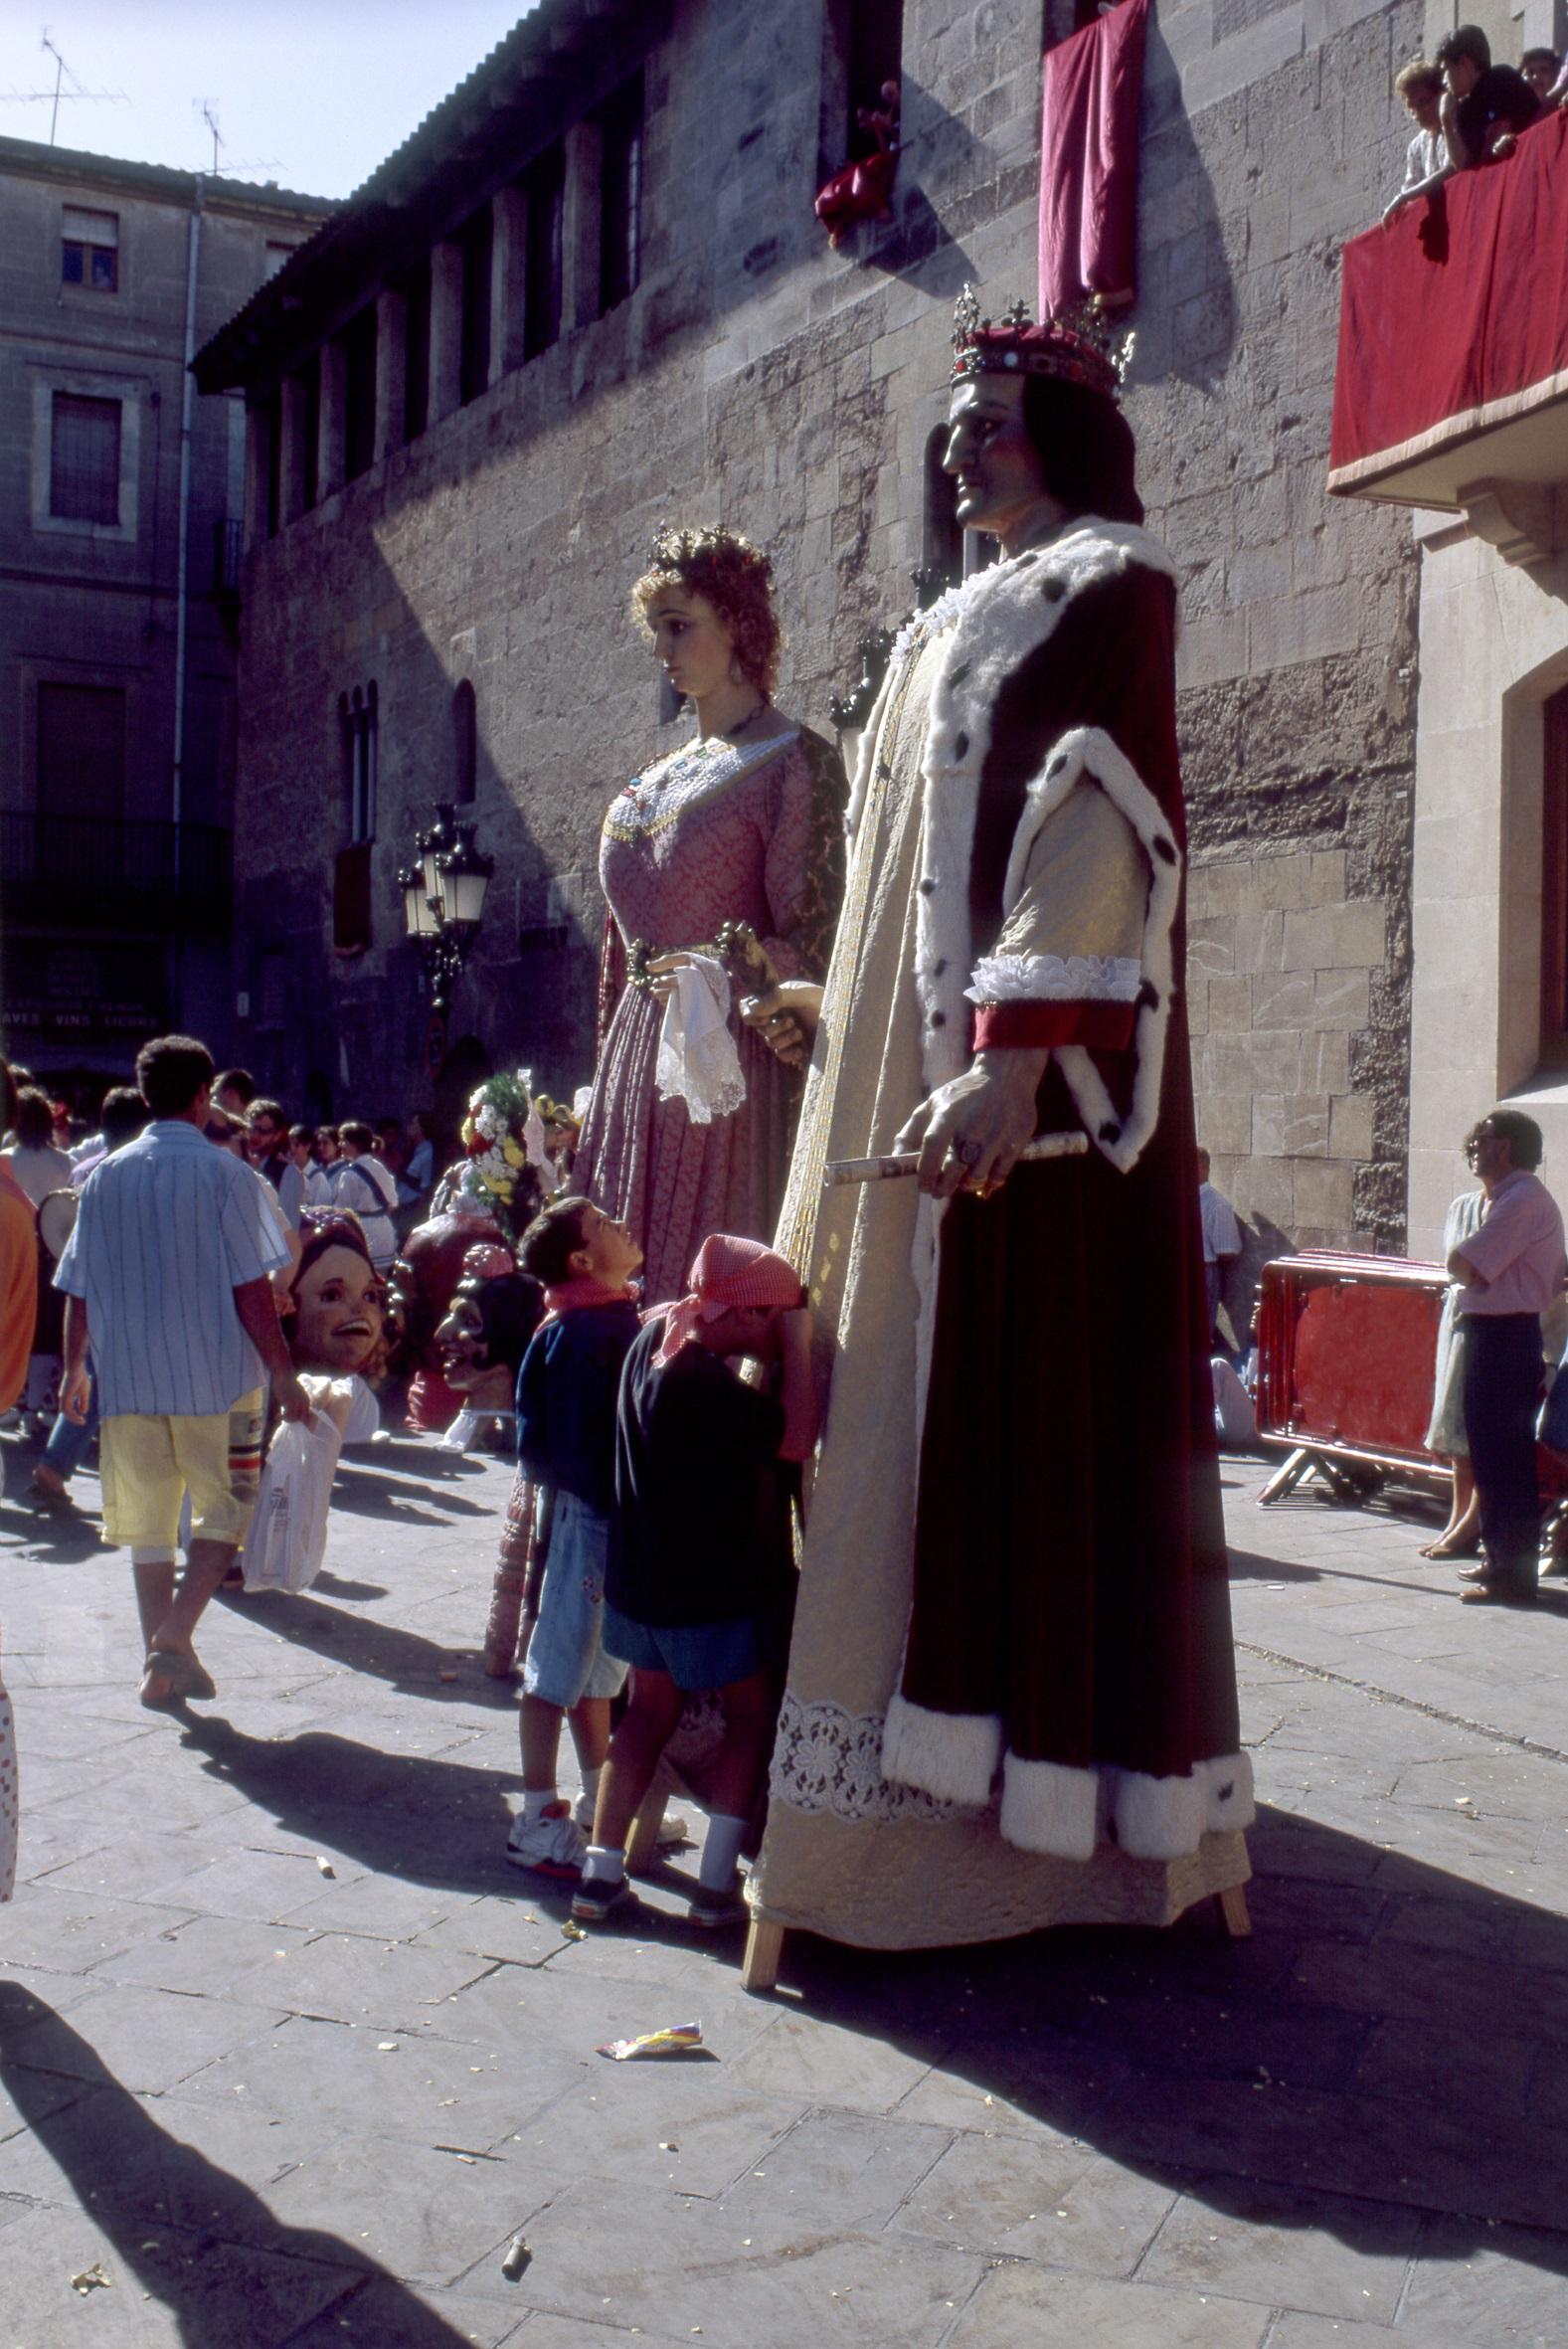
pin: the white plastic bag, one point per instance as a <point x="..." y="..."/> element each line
<point x="287" y="1540"/>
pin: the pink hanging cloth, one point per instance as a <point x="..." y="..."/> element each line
<point x="1088" y="131"/>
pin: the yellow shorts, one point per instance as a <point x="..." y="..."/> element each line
<point x="149" y="1462"/>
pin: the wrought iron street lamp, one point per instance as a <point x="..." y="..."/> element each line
<point x="443" y="891"/>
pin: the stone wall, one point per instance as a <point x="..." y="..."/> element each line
<point x="758" y="378"/>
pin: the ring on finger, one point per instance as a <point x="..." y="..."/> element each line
<point x="967" y="1154"/>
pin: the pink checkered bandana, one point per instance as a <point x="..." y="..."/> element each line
<point x="729" y="1274"/>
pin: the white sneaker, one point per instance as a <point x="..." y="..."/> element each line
<point x="552" y="1845"/>
<point x="672" y="1827"/>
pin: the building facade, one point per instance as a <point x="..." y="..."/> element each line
<point x="120" y="505"/>
<point x="589" y="296"/>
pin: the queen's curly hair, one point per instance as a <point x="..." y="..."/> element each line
<point x="735" y="576"/>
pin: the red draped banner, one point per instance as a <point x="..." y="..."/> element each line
<point x="1455" y="318"/>
<point x="1094" y="88"/>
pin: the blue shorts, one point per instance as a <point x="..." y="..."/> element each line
<point x="565" y="1659"/>
<point x="698" y="1655"/>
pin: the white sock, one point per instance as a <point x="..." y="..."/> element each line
<point x="536" y="1801"/>
<point x="721" y="1853"/>
<point x="590" y="1780"/>
<point x="606" y="1863"/>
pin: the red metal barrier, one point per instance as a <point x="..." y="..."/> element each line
<point x="1346" y="1354"/>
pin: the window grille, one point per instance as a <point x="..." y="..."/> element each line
<point x="83" y="470"/>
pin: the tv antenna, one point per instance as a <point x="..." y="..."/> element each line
<point x="210" y="117"/>
<point x="51" y="98"/>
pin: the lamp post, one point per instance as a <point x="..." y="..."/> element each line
<point x="444" y="889"/>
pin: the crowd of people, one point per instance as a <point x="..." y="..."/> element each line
<point x="1467" y="112"/>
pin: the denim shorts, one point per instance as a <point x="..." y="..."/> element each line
<point x="698" y="1655"/>
<point x="566" y="1660"/>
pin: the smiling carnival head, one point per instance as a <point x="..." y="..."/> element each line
<point x="338" y="1321"/>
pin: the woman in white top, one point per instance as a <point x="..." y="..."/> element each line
<point x="362" y="1182"/>
<point x="32" y="1159"/>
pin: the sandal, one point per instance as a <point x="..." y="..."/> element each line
<point x="186" y="1677"/>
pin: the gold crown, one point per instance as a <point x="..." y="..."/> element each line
<point x="1077" y="345"/>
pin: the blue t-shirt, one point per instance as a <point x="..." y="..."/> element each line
<point x="566" y="1400"/>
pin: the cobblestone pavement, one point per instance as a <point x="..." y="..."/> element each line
<point x="288" y="2053"/>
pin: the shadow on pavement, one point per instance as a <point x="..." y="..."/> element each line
<point x="426" y="1820"/>
<point x="185" y="2232"/>
<point x="403" y="1659"/>
<point x="366" y="1491"/>
<point x="1385" y="2059"/>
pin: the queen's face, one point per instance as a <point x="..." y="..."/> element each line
<point x="692" y="644"/>
<point x="991" y="455"/>
<point x="339" y="1312"/>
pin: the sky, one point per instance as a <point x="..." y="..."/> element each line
<point x="313" y="94"/>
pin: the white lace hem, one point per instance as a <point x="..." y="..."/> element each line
<point x="1055" y="978"/>
<point x="827" y="1760"/>
<point x="697" y="1059"/>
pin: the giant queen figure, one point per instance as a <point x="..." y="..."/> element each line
<point x="1012" y="1694"/>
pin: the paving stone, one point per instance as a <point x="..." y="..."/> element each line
<point x="680" y="2266"/>
<point x="797" y="2056"/>
<point x="378" y="1906"/>
<point x="414" y="2210"/>
<point x="1501" y="2288"/>
<point x="686" y="2129"/>
<point x="165" y="2287"/>
<point x="382" y="2315"/>
<point x="510" y="2004"/>
<point x="524" y="1930"/>
<point x="351" y="1980"/>
<point x="1057" y="2201"/>
<point x="209" y="1956"/>
<point x="266" y="1886"/>
<point x="148" y="2038"/>
<point x="70" y="1932"/>
<point x="1027" y="2303"/>
<point x="1305" y="2252"/>
<point x="843" y="2167"/>
<point x="423" y="2088"/>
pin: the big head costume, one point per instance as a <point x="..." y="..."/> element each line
<point x="1011" y="1692"/>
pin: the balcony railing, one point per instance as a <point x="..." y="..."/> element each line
<point x="1452" y="384"/>
<point x="97" y="874"/>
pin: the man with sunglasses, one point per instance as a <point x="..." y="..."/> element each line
<point x="1509" y="1270"/>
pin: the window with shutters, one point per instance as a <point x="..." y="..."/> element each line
<point x="357" y="733"/>
<point x="83" y="461"/>
<point x="542" y="282"/>
<point x="90" y="250"/>
<point x="619" y="194"/>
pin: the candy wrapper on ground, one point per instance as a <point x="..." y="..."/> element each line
<point x="674" y="2041"/>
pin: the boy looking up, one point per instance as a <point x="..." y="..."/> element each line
<point x="566" y="1443"/>
<point x="701" y="1565"/>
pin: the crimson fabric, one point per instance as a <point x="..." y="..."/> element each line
<point x="1457" y="312"/>
<point x="1094" y="89"/>
<point x="1070" y="1569"/>
<point x="1102" y="1028"/>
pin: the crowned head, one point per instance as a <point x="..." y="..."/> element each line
<point x="1075" y="346"/>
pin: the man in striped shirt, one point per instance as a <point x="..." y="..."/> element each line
<point x="166" y="1273"/>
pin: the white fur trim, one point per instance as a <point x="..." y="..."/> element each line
<point x="1228" y="1791"/>
<point x="1055" y="978"/>
<point x="1051" y="1808"/>
<point x="1006" y="614"/>
<point x="1158" y="1818"/>
<point x="953" y="1755"/>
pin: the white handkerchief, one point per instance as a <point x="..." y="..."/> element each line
<point x="698" y="1061"/>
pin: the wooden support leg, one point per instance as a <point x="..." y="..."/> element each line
<point x="1284" y="1480"/>
<point x="763" y="1949"/>
<point x="1233" y="1911"/>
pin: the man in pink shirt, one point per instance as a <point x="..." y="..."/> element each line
<point x="1509" y="1270"/>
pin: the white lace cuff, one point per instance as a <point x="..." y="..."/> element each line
<point x="1055" y="978"/>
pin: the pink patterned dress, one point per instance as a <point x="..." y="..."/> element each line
<point x="749" y="831"/>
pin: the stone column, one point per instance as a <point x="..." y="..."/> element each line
<point x="330" y="441"/>
<point x="509" y="279"/>
<point x="292" y="500"/>
<point x="446" y="329"/>
<point x="392" y="365"/>
<point x="582" y="198"/>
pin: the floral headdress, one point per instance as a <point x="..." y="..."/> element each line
<point x="504" y="1138"/>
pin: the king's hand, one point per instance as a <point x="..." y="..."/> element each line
<point x="968" y="1133"/>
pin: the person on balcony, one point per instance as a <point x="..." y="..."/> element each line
<point x="1541" y="67"/>
<point x="1483" y="110"/>
<point x="1419" y="87"/>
